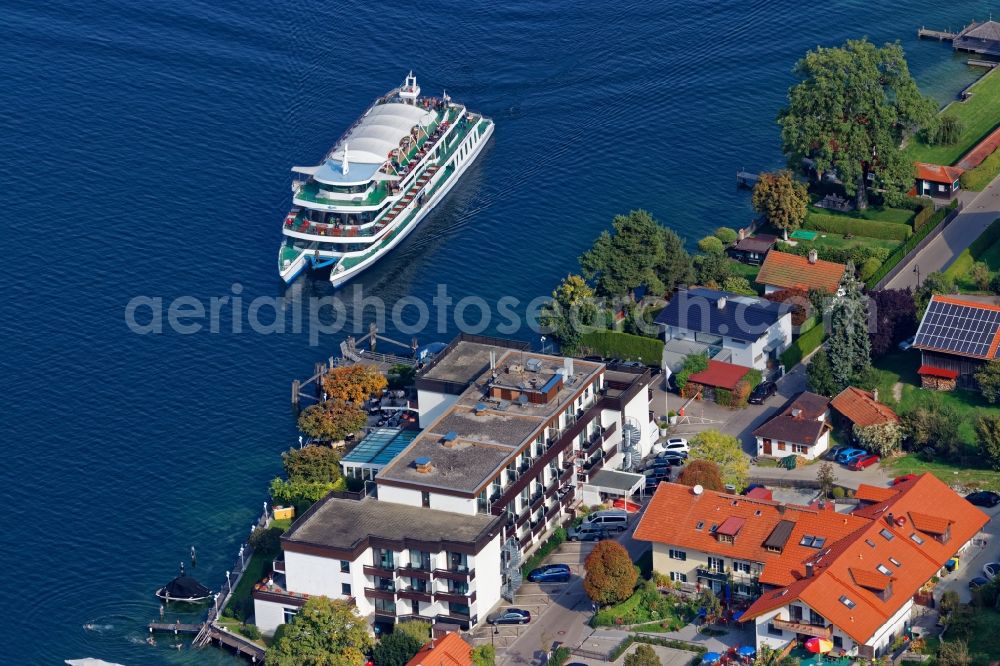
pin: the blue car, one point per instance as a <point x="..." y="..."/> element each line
<point x="847" y="455"/>
<point x="550" y="573"/>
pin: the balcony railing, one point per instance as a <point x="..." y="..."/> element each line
<point x="455" y="574"/>
<point x="278" y="566"/>
<point x="418" y="595"/>
<point x="711" y="574"/>
<point x="820" y="630"/>
<point x="375" y="593"/>
<point x="370" y="570"/>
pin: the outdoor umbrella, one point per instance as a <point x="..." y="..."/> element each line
<point x="747" y="651"/>
<point x="710" y="657"/>
<point x="819" y="645"/>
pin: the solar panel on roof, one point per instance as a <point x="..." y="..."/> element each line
<point x="961" y="329"/>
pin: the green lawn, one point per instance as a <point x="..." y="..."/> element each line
<point x="838" y="241"/>
<point x="740" y="269"/>
<point x="902" y="367"/>
<point x="960" y="268"/>
<point x="984" y="645"/>
<point x="979" y="116"/>
<point x="254" y="573"/>
<point x="977" y="179"/>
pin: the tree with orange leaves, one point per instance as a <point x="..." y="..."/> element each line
<point x="354" y="383"/>
<point x="611" y="576"/>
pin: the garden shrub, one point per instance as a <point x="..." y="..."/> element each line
<point x="615" y="344"/>
<point x="553" y="542"/>
<point x="803" y="346"/>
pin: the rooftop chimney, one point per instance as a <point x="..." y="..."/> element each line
<point x="796" y="413"/>
<point x="809" y="569"/>
<point x="697" y="489"/>
<point x="568" y="366"/>
<point x="890" y="519"/>
<point x="721" y="303"/>
<point x="875" y="394"/>
<point x="742" y="233"/>
<point x="813" y="256"/>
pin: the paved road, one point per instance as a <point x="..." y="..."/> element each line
<point x="979" y="211"/>
<point x="972" y="564"/>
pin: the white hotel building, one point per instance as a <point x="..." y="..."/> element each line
<point x="511" y="441"/>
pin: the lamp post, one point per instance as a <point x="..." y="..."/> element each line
<point x="916" y="269"/>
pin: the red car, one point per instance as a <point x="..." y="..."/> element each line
<point x="903" y="479"/>
<point x="863" y="462"/>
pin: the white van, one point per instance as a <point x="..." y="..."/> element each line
<point x="615" y="520"/>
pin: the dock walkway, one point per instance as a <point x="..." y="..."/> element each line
<point x="175" y="627"/>
<point x="940" y="35"/>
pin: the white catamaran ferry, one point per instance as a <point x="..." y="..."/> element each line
<point x="378" y="182"/>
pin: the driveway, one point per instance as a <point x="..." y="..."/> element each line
<point x="978" y="212"/>
<point x="971" y="565"/>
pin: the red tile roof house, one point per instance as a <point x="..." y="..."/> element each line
<point x="717" y="375"/>
<point x="808" y="572"/>
<point x="802" y="429"/>
<point x="449" y="650"/>
<point x="934" y="180"/>
<point x="781" y="271"/>
<point x="957" y="336"/>
<point x="861" y="408"/>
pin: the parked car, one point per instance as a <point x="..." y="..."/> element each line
<point x="863" y="462"/>
<point x="674" y="444"/>
<point x="587" y="532"/>
<point x="991" y="570"/>
<point x="762" y="392"/>
<point x="903" y="479"/>
<point x="550" y="573"/>
<point x="847" y="455"/>
<point x="669" y="458"/>
<point x="977" y="583"/>
<point x="906" y="344"/>
<point x="835" y="451"/>
<point x="510" y="616"/>
<point x="609" y="519"/>
<point x="986" y="498"/>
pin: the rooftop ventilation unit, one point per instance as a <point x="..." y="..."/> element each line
<point x="450" y="439"/>
<point x="522" y="400"/>
<point x="479" y="408"/>
<point x="698" y="490"/>
<point x="504" y="404"/>
<point x="423" y="465"/>
<point x="533" y="365"/>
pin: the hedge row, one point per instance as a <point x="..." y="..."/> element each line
<point x="924" y="216"/>
<point x="803" y="346"/>
<point x="554" y="541"/>
<point x="977" y="179"/>
<point x="850" y="225"/>
<point x="615" y="344"/>
<point x="900" y="252"/>
<point x="986" y="240"/>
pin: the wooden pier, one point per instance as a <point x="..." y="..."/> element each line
<point x="746" y="179"/>
<point x="989" y="64"/>
<point x="174" y="627"/>
<point x="940" y="35"/>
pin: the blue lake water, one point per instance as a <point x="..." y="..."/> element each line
<point x="146" y="152"/>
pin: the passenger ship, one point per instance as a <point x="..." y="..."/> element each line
<point x="383" y="176"/>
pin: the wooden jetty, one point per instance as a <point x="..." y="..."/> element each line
<point x="174" y="627"/>
<point x="940" y="35"/>
<point x="352" y="352"/>
<point x="240" y="645"/>
<point x="989" y="64"/>
<point x="746" y="179"/>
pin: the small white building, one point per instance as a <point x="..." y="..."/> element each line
<point x="801" y="429"/>
<point x="753" y="331"/>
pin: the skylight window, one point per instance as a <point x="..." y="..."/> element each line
<point x="886" y="534"/>
<point x="757" y="512"/>
<point x="699" y="525"/>
<point x="870" y="542"/>
<point x="812" y="541"/>
<point x="895" y="561"/>
<point x="713" y="528"/>
<point x="882" y="569"/>
<point x="916" y="538"/>
<point x="847" y="602"/>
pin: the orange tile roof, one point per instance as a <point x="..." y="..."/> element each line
<point x="866" y="493"/>
<point x="936" y="173"/>
<point x="843" y="571"/>
<point x="720" y="374"/>
<point x="929" y="524"/>
<point x="448" y="651"/>
<point x="790" y="271"/>
<point x="861" y="408"/>
<point x="872" y="580"/>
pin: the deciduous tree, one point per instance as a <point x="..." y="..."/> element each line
<point x="819" y="375"/>
<point x="712" y="269"/>
<point x="953" y="653"/>
<point x="849" y="113"/>
<point x="726" y="235"/>
<point x="933" y="425"/>
<point x="395" y="649"/>
<point x="826" y="477"/>
<point x="796" y="300"/>
<point x="419" y="629"/>
<point x="332" y="420"/>
<point x="933" y="284"/>
<point x="644" y="655"/>
<point x="881" y="438"/>
<point x="725" y="451"/>
<point x="781" y="199"/>
<point x="323" y="633"/>
<point x="704" y="473"/>
<point x="354" y="383"/>
<point x="849" y="347"/>
<point x="484" y="655"/>
<point x="711" y="245"/>
<point x="988" y="379"/>
<point x="312" y="463"/>
<point x="571" y="310"/>
<point x="988" y="438"/>
<point x="611" y="576"/>
<point x="738" y="284"/>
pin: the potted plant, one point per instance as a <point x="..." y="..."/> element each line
<point x="672" y="417"/>
<point x="663" y="424"/>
